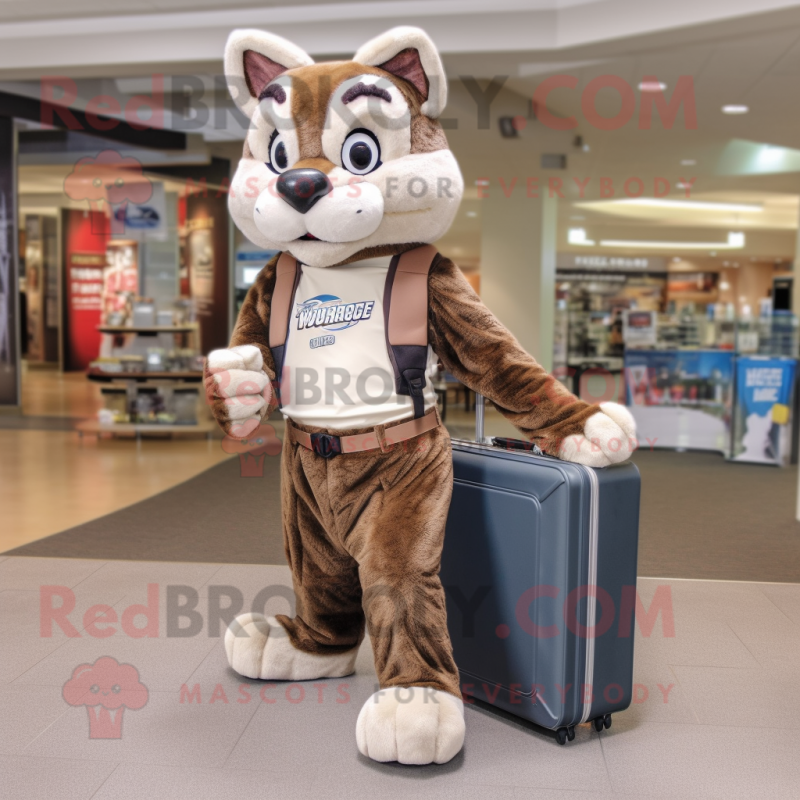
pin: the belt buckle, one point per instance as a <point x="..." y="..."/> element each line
<point x="325" y="445"/>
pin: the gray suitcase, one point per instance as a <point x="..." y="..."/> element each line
<point x="527" y="538"/>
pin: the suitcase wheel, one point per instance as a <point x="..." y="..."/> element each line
<point x="602" y="722"/>
<point x="571" y="732"/>
<point x="562" y="734"/>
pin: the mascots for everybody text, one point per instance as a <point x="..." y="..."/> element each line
<point x="347" y="172"/>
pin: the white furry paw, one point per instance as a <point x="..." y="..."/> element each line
<point x="259" y="647"/>
<point x="237" y="378"/>
<point x="412" y="725"/>
<point x="608" y="437"/>
<point x="243" y="356"/>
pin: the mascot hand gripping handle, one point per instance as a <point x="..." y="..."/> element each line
<point x="347" y="172"/>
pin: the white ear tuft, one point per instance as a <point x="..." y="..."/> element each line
<point x="253" y="58"/>
<point x="420" y="66"/>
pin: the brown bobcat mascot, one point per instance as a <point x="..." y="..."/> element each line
<point x="347" y="172"/>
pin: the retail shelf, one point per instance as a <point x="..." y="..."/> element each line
<point x="92" y="426"/>
<point x="99" y="376"/>
<point x="148" y="328"/>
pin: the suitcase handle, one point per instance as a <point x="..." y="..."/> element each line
<point x="498" y="441"/>
<point x="480" y="413"/>
<point x="517" y="444"/>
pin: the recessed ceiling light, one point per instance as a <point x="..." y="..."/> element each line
<point x="696" y="205"/>
<point x="482" y="182"/>
<point x="472" y="213"/>
<point x="688" y="162"/>
<point x="578" y="236"/>
<point x="735" y="242"/>
<point x="735" y="109"/>
<point x="652" y="86"/>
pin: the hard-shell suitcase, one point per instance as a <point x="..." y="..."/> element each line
<point x="539" y="570"/>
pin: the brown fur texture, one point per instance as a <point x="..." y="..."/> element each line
<point x="363" y="535"/>
<point x="252" y="327"/>
<point x="363" y="532"/>
<point x="476" y="348"/>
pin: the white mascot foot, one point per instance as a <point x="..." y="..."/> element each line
<point x="259" y="647"/>
<point x="608" y="437"/>
<point x="412" y="725"/>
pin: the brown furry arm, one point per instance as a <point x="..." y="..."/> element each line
<point x="252" y="324"/>
<point x="252" y="327"/>
<point x="483" y="355"/>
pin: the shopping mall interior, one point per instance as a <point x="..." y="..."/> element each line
<point x="631" y="213"/>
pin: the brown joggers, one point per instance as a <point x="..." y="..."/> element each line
<point x="363" y="534"/>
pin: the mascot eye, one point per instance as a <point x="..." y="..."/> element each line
<point x="361" y="152"/>
<point x="278" y="160"/>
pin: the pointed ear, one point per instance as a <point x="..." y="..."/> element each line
<point x="254" y="58"/>
<point x="409" y="53"/>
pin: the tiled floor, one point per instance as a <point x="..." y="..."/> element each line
<point x="717" y="713"/>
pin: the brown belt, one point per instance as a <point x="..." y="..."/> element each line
<point x="328" y="445"/>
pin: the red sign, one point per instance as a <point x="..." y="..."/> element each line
<point x="85" y="241"/>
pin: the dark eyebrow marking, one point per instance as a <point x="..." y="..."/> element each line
<point x="275" y="91"/>
<point x="365" y="90"/>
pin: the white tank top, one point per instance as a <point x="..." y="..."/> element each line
<point x="337" y="371"/>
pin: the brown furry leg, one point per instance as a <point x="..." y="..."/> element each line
<point x="397" y="541"/>
<point x="329" y="615"/>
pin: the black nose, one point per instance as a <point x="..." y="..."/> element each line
<point x="301" y="188"/>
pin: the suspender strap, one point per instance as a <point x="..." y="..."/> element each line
<point x="405" y="309"/>
<point x="287" y="276"/>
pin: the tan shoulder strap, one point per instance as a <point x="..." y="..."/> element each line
<point x="405" y="309"/>
<point x="281" y="306"/>
<point x="407" y="321"/>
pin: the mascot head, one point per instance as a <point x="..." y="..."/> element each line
<point x="344" y="158"/>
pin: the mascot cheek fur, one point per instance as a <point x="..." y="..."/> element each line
<point x="346" y="170"/>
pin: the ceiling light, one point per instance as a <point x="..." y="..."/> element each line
<point x="652" y="86"/>
<point x="482" y="182"/>
<point x="735" y="109"/>
<point x="578" y="236"/>
<point x="694" y="205"/>
<point x="688" y="162"/>
<point x="735" y="242"/>
<point x="472" y="213"/>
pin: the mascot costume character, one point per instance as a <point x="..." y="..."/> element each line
<point x="348" y="174"/>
